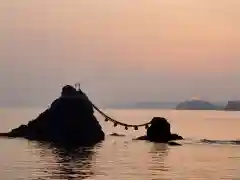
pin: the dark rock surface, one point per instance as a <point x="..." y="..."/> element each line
<point x="69" y="120"/>
<point x="160" y="131"/>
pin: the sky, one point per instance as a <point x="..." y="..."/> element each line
<point x="120" y="51"/>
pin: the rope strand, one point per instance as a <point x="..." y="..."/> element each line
<point x="118" y="122"/>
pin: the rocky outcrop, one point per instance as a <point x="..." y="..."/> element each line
<point x="160" y="131"/>
<point x="69" y="120"/>
<point x="196" y="105"/>
<point x="232" y="106"/>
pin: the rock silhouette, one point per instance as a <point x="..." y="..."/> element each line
<point x="160" y="131"/>
<point x="69" y="120"/>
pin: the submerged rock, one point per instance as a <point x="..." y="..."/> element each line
<point x="116" y="134"/>
<point x="160" y="131"/>
<point x="69" y="120"/>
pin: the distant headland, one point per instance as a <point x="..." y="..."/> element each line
<point x="194" y="104"/>
<point x="205" y="105"/>
<point x="232" y="106"/>
<point x="197" y="105"/>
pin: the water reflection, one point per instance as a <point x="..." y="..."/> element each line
<point x="65" y="162"/>
<point x="157" y="165"/>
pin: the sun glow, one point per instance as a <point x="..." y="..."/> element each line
<point x="178" y="43"/>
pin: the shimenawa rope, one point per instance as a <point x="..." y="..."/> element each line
<point x="107" y="118"/>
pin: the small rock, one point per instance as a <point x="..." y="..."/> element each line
<point x="160" y="131"/>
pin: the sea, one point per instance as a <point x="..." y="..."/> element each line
<point x="210" y="151"/>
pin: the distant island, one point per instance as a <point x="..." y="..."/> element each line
<point x="232" y="106"/>
<point x="144" y="105"/>
<point x="156" y="105"/>
<point x="185" y="105"/>
<point x="197" y="105"/>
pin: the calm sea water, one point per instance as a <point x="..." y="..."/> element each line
<point x="120" y="158"/>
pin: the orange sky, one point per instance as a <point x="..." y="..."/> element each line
<point x="170" y="37"/>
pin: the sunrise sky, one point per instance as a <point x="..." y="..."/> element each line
<point x="121" y="51"/>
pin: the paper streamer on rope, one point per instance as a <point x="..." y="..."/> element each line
<point x="107" y="118"/>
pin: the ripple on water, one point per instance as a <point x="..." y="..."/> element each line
<point x="119" y="158"/>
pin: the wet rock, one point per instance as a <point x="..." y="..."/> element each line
<point x="69" y="120"/>
<point x="160" y="131"/>
<point x="172" y="143"/>
<point x="235" y="142"/>
<point x="176" y="137"/>
<point x="116" y="134"/>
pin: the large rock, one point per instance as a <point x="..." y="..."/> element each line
<point x="160" y="131"/>
<point x="69" y="120"/>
